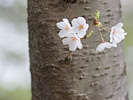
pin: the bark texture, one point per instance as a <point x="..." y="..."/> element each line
<point x="87" y="76"/>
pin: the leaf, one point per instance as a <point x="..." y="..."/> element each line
<point x="89" y="35"/>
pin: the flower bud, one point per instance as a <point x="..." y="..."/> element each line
<point x="97" y="14"/>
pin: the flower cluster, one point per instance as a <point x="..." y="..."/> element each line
<point x="73" y="33"/>
<point x="117" y="34"/>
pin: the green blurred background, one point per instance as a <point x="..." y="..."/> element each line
<point x="14" y="62"/>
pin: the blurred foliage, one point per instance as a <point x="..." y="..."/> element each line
<point x="14" y="11"/>
<point x="128" y="44"/>
<point x="17" y="94"/>
<point x="17" y="12"/>
<point x="128" y="26"/>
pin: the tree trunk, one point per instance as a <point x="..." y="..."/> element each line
<point x="87" y="75"/>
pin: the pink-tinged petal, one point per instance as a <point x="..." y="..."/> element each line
<point x="75" y="22"/>
<point x="72" y="46"/>
<point x="62" y="33"/>
<point x="118" y="38"/>
<point x="120" y="30"/>
<point x="79" y="44"/>
<point x="66" y="41"/>
<point x="61" y="25"/>
<point x="66" y="22"/>
<point x="74" y="29"/>
<point x="81" y="33"/>
<point x="86" y="27"/>
<point x="107" y="45"/>
<point x="100" y="47"/>
<point x="77" y="37"/>
<point x="81" y="20"/>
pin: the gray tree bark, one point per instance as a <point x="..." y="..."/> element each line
<point x="87" y="76"/>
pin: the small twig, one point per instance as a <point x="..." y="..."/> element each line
<point x="106" y="29"/>
<point x="83" y="37"/>
<point x="90" y="26"/>
<point x="87" y="29"/>
<point x="68" y="54"/>
<point x="100" y="34"/>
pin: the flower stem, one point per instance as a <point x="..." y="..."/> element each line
<point x="90" y="26"/>
<point x="106" y="27"/>
<point x="100" y="34"/>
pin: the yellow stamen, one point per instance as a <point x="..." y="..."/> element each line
<point x="81" y="27"/>
<point x="67" y="28"/>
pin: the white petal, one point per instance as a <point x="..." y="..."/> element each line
<point x="63" y="33"/>
<point x="120" y="30"/>
<point x="74" y="29"/>
<point x="111" y="36"/>
<point x="108" y="45"/>
<point x="86" y="27"/>
<point x="100" y="47"/>
<point x="61" y="25"/>
<point x="72" y="46"/>
<point x="66" y="41"/>
<point x="66" y="22"/>
<point x="76" y="36"/>
<point x="75" y="22"/>
<point x="125" y="34"/>
<point x="81" y="33"/>
<point x="118" y="38"/>
<point x="79" y="44"/>
<point x="81" y="20"/>
<point x="119" y="24"/>
<point x="70" y="35"/>
<point x="118" y="35"/>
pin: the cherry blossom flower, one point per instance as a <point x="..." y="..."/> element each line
<point x="65" y="28"/>
<point x="117" y="34"/>
<point x="103" y="45"/>
<point x="73" y="41"/>
<point x="79" y="26"/>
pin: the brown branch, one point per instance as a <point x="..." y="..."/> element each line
<point x="68" y="54"/>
